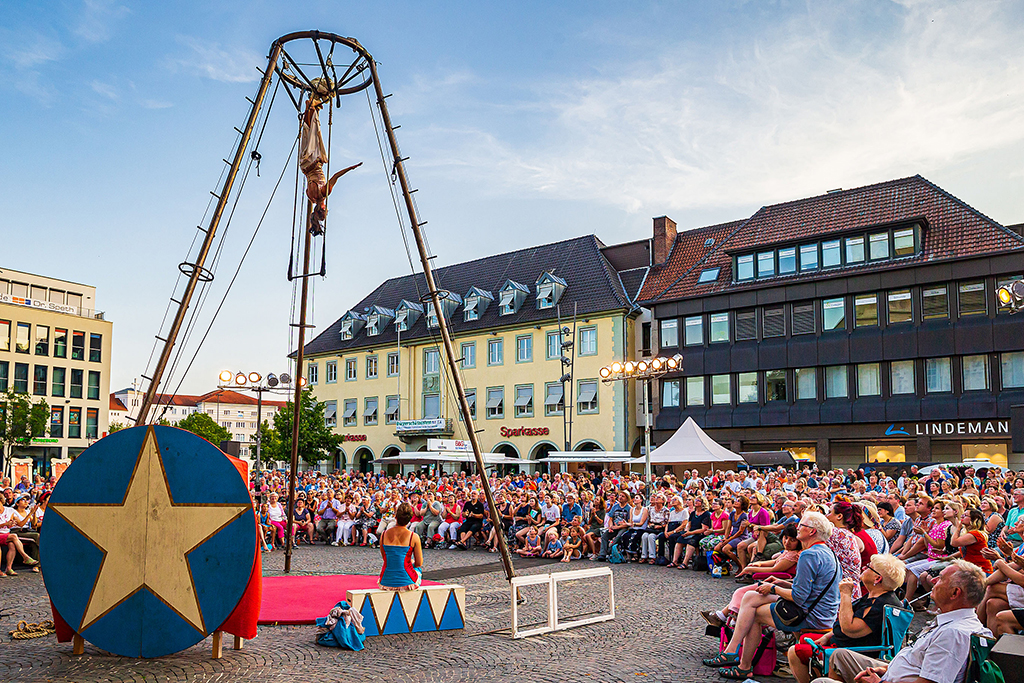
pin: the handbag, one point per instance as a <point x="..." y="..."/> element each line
<point x="790" y="613"/>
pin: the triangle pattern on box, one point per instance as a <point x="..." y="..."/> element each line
<point x="425" y="620"/>
<point x="381" y="606"/>
<point x="369" y="620"/>
<point x="410" y="601"/>
<point x="395" y="622"/>
<point x="452" y="617"/>
<point x="437" y="599"/>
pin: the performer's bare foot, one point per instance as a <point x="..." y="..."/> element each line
<point x="334" y="178"/>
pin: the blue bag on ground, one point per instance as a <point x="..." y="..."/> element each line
<point x="342" y="627"/>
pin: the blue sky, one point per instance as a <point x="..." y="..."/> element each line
<point x="524" y="122"/>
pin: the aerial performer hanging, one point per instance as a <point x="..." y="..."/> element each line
<point x="313" y="155"/>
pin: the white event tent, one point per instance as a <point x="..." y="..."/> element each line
<point x="690" y="445"/>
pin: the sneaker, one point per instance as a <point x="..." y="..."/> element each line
<point x="451" y="546"/>
<point x="334" y="544"/>
<point x="600" y="558"/>
<point x="712" y="618"/>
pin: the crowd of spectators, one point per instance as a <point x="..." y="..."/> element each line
<point x="22" y="507"/>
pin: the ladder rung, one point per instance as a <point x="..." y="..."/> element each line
<point x="238" y="129"/>
<point x="215" y="195"/>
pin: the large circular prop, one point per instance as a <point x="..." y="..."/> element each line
<point x="148" y="542"/>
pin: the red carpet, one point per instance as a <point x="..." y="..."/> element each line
<point x="301" y="599"/>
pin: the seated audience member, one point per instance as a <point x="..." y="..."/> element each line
<point x="814" y="589"/>
<point x="402" y="554"/>
<point x="657" y="518"/>
<point x="303" y="522"/>
<point x="759" y="517"/>
<point x="675" y="527"/>
<point x="782" y="567"/>
<point x="697" y="527"/>
<point x="629" y="542"/>
<point x="532" y="544"/>
<point x="473" y="512"/>
<point x="860" y="621"/>
<point x="739" y="533"/>
<point x="940" y="653"/>
<point x="617" y="522"/>
<point x="573" y="545"/>
<point x="329" y="508"/>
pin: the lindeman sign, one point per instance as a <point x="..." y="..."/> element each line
<point x="976" y="428"/>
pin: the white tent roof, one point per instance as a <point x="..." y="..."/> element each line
<point x="588" y="456"/>
<point x="691" y="444"/>
<point x="419" y="457"/>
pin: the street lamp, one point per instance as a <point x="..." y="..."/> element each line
<point x="254" y="382"/>
<point x="645" y="371"/>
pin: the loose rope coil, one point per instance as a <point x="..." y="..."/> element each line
<point x="25" y="630"/>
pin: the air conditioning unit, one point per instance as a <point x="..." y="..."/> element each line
<point x="432" y="384"/>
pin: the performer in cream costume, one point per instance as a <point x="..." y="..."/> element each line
<point x="313" y="155"/>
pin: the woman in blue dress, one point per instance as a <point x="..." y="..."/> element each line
<point x="402" y="553"/>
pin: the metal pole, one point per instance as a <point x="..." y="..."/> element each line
<point x="259" y="440"/>
<point x="297" y="407"/>
<point x="211" y="229"/>
<point x="647" y="436"/>
<point x="399" y="167"/>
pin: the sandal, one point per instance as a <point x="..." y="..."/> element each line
<point x="30" y="562"/>
<point x="11" y="572"/>
<point x="736" y="673"/>
<point x="672" y="565"/>
<point x="723" y="659"/>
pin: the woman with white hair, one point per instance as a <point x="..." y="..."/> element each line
<point x="814" y="592"/>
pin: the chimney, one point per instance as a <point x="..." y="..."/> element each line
<point x="664" y="238"/>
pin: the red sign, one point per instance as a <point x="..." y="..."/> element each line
<point x="353" y="437"/>
<point x="524" y="431"/>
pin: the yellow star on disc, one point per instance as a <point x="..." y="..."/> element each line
<point x="146" y="540"/>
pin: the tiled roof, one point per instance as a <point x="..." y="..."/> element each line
<point x="593" y="285"/>
<point x="230" y="397"/>
<point x="954" y="230"/>
<point x="632" y="280"/>
<point x="115" y="404"/>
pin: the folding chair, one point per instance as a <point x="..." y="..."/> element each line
<point x="895" y="624"/>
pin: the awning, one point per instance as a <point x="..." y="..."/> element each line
<point x="332" y="410"/>
<point x="587" y="394"/>
<point x="524" y="400"/>
<point x="392" y="408"/>
<point x="371" y="410"/>
<point x="554" y="396"/>
<point x="546" y="291"/>
<point x="591" y="456"/>
<point x="422" y="457"/>
<point x="350" y="411"/>
<point x="507" y="296"/>
<point x="769" y="458"/>
<point x="495" y="401"/>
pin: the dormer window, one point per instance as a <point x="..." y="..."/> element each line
<point x="449" y="302"/>
<point x="512" y="297"/>
<point x="346" y="330"/>
<point x="431" y="315"/>
<point x="549" y="290"/>
<point x="377" y="320"/>
<point x="351" y="323"/>
<point x="471" y="312"/>
<point x="476" y="302"/>
<point x="508" y="302"/>
<point x="406" y="315"/>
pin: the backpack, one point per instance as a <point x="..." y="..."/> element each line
<point x="615" y="556"/>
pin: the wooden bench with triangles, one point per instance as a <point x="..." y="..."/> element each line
<point x="428" y="608"/>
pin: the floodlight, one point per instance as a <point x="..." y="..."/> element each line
<point x="642" y="366"/>
<point x="565" y="378"/>
<point x="616" y="367"/>
<point x="285" y="378"/>
<point x="255" y="377"/>
<point x="629" y="368"/>
<point x="605" y="372"/>
<point x="225" y="376"/>
<point x="240" y="379"/>
<point x="657" y="363"/>
<point x="671" y="363"/>
<point x="272" y="380"/>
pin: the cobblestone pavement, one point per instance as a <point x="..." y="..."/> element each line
<point x="657" y="634"/>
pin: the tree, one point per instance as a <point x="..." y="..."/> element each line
<point x="271" y="447"/>
<point x="316" y="440"/>
<point x="116" y="427"/>
<point x="20" y="420"/>
<point x="203" y="425"/>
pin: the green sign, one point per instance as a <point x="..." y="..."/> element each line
<point x="41" y="440"/>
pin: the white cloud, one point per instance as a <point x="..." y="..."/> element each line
<point x="105" y="89"/>
<point x="212" y="61"/>
<point x="97" y="20"/>
<point x="155" y="104"/>
<point x="805" y="106"/>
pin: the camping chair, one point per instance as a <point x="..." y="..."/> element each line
<point x="895" y="624"/>
<point x="979" y="668"/>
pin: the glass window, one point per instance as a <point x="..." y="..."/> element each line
<point x="975" y="373"/>
<point x="1012" y="365"/>
<point x="471" y="400"/>
<point x="903" y="242"/>
<point x="524" y="400"/>
<point x="21" y="379"/>
<point x="707" y="275"/>
<point x="392" y="412"/>
<point x="524" y="348"/>
<point x="350" y="369"/>
<point x="775" y="385"/>
<point x="694" y="330"/>
<point x="495" y="351"/>
<point x="74" y="423"/>
<point x="92" y="423"/>
<point x="5" y="335"/>
<point x="746" y="387"/>
<point x="774" y="322"/>
<point x="787" y="260"/>
<point x="469" y="354"/>
<point x="833" y="314"/>
<point x="901" y="309"/>
<point x="694" y="391"/>
<point x="669" y="336"/>
<point x="23" y="340"/>
<point x="77" y="345"/>
<point x="470" y="312"/>
<point x="432" y="361"/>
<point x="5" y="370"/>
<point x="76" y="383"/>
<point x="865" y="310"/>
<point x="42" y="340"/>
<point x="766" y="264"/>
<point x="831" y="256"/>
<point x="495" y="403"/>
<point x="719" y="328"/>
<point x="720" y="390"/>
<point x="554" y="344"/>
<point x="39" y="380"/>
<point x="670" y="393"/>
<point x="371" y="367"/>
<point x="331" y="371"/>
<point x="588" y="341"/>
<point x="803" y="318"/>
<point x="586" y="401"/>
<point x="878" y="246"/>
<point x="855" y="249"/>
<point x="745" y="267"/>
<point x="60" y="342"/>
<point x="937" y="376"/>
<point x="431" y="406"/>
<point x="393" y="362"/>
<point x="312" y="373"/>
<point x="936" y="302"/>
<point x="554" y="398"/>
<point x="808" y="257"/>
<point x="972" y="299"/>
<point x="835" y="382"/>
<point x="806" y="384"/>
<point x="57" y="422"/>
<point x="868" y="381"/>
<point x="95" y="348"/>
<point x="370" y="411"/>
<point x="1005" y="281"/>
<point x="746" y="325"/>
<point x="94" y="385"/>
<point x="902" y="372"/>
